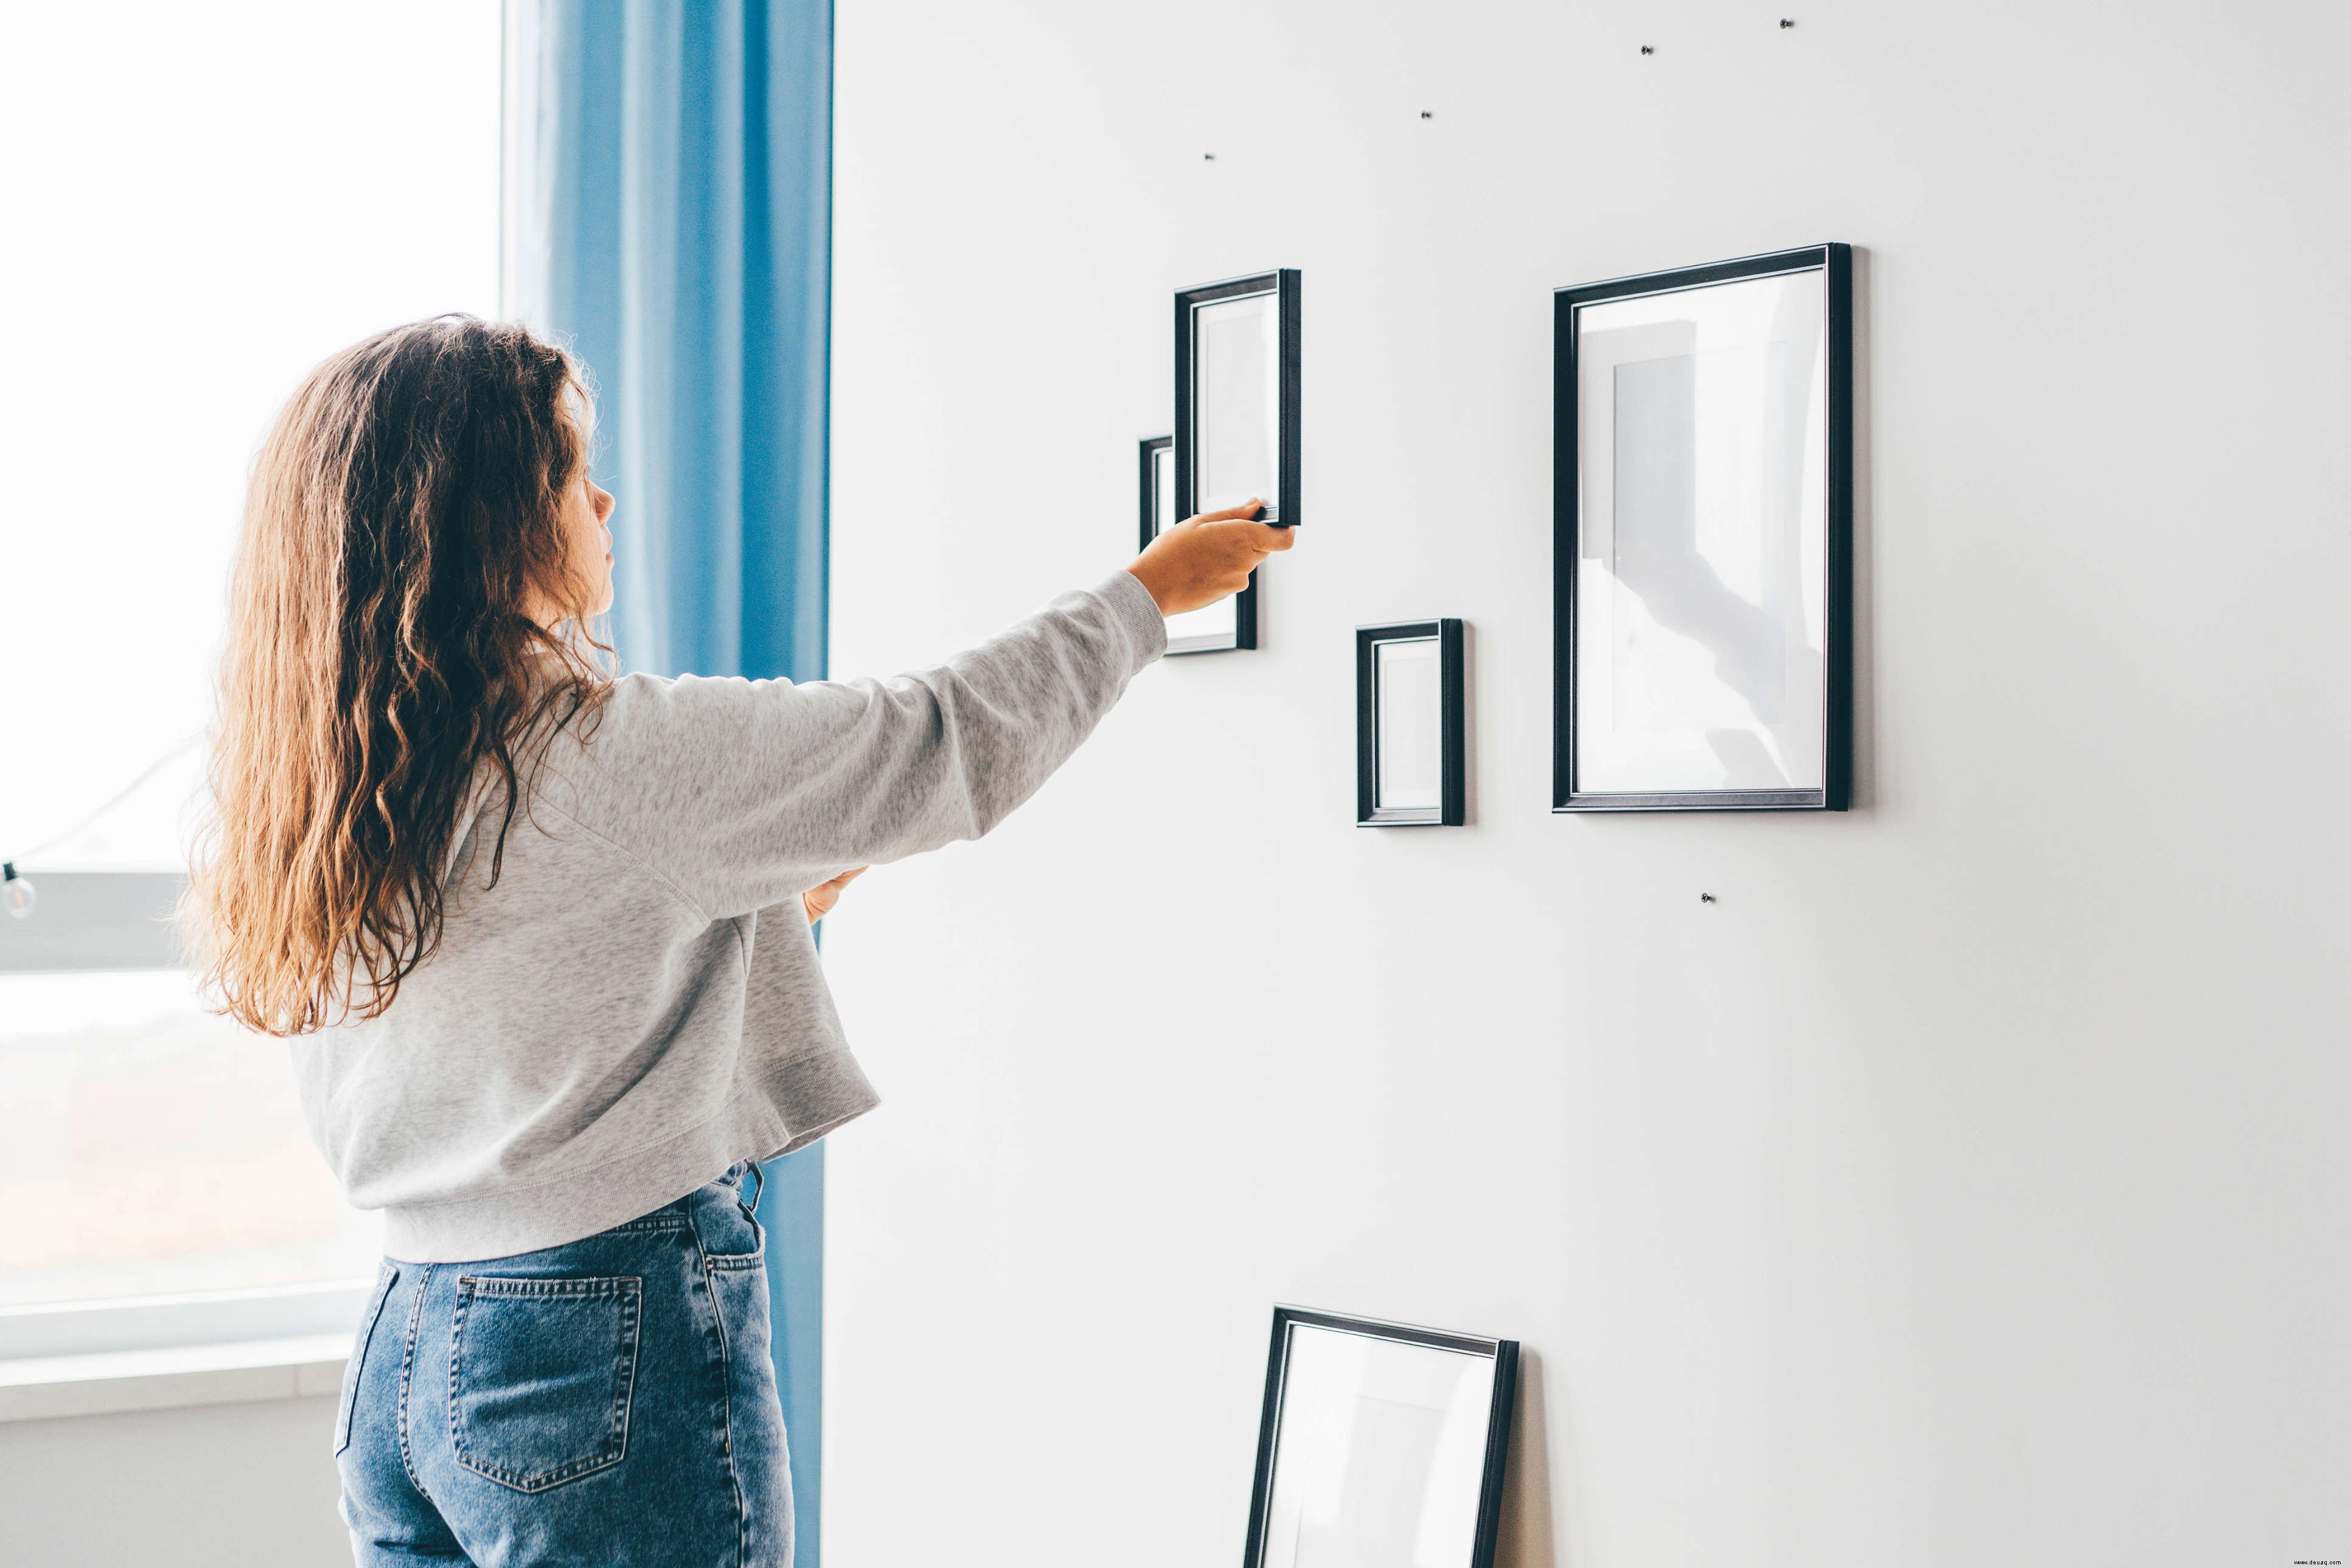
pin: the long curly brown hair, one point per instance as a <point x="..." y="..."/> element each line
<point x="384" y="677"/>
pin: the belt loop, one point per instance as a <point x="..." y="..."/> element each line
<point x="760" y="1188"/>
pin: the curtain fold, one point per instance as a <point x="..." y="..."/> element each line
<point x="667" y="170"/>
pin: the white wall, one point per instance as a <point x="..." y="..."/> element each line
<point x="1968" y="1186"/>
<point x="220" y="1486"/>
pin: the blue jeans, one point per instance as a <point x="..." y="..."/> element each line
<point x="607" y="1401"/>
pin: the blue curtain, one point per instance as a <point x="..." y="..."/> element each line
<point x="668" y="211"/>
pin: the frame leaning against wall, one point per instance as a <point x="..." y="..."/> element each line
<point x="1836" y="263"/>
<point x="1154" y="455"/>
<point x="1261" y="1551"/>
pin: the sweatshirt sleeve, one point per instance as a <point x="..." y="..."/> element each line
<point x="743" y="793"/>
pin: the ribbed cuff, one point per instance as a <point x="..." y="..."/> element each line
<point x="1138" y="613"/>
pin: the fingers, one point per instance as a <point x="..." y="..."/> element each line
<point x="1262" y="538"/>
<point x="1203" y="559"/>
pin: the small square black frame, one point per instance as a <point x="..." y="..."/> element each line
<point x="1836" y="729"/>
<point x="1503" y="1353"/>
<point x="1244" y="632"/>
<point x="1282" y="510"/>
<point x="1452" y="732"/>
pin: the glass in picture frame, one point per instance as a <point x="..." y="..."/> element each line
<point x="1237" y="396"/>
<point x="1411" y="725"/>
<point x="1379" y="1444"/>
<point x="1702" y="520"/>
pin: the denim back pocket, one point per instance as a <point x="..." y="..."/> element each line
<point x="539" y="1377"/>
<point x="385" y="1277"/>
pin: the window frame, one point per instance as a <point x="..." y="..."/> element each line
<point x="44" y="1330"/>
<point x="92" y="921"/>
<point x="125" y="922"/>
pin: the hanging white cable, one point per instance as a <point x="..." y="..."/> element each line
<point x="18" y="894"/>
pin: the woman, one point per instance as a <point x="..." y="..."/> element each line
<point x="544" y="937"/>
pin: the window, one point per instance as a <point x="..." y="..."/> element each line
<point x="203" y="202"/>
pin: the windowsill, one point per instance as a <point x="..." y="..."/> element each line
<point x="37" y="1388"/>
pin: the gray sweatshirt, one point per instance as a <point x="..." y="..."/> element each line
<point x="637" y="1004"/>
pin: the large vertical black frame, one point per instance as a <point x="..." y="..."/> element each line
<point x="1244" y="632"/>
<point x="1284" y="510"/>
<point x="1836" y="727"/>
<point x="1452" y="726"/>
<point x="1503" y="1353"/>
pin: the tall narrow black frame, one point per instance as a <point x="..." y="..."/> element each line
<point x="1503" y="1353"/>
<point x="1282" y="509"/>
<point x="1244" y="632"/>
<point x="1452" y="731"/>
<point x="1835" y="262"/>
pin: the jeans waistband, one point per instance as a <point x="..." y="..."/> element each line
<point x="733" y="1177"/>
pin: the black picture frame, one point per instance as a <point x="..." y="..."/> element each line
<point x="1151" y="453"/>
<point x="1834" y="262"/>
<point x="1452" y="809"/>
<point x="1282" y="509"/>
<point x="1502" y="1352"/>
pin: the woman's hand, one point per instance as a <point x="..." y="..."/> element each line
<point x="819" y="901"/>
<point x="1203" y="559"/>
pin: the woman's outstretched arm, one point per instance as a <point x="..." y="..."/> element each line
<point x="743" y="794"/>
